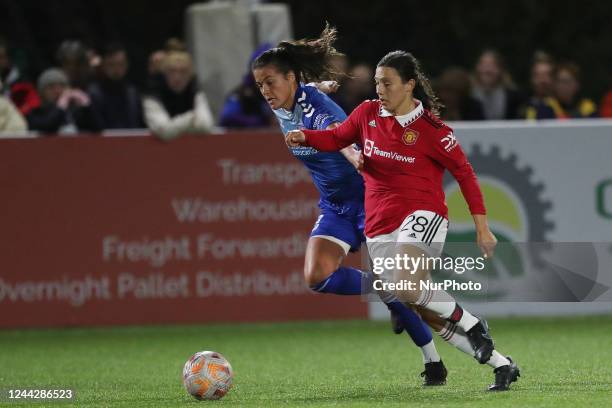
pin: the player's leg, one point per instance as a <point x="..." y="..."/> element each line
<point x="435" y="372"/>
<point x="456" y="337"/>
<point x="506" y="371"/>
<point x="429" y="241"/>
<point x="422" y="235"/>
<point x="332" y="238"/>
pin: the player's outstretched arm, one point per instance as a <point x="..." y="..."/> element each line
<point x="332" y="140"/>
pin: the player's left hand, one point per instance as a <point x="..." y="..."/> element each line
<point x="355" y="157"/>
<point x="486" y="242"/>
<point x="327" y="86"/>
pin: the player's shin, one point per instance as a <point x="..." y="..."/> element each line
<point x="416" y="328"/>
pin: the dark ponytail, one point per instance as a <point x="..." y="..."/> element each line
<point x="408" y="67"/>
<point x="310" y="60"/>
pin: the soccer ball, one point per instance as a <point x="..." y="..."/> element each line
<point x="207" y="375"/>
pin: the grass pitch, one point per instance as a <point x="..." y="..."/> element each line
<point x="564" y="363"/>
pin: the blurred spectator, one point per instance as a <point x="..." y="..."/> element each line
<point x="20" y="91"/>
<point x="156" y="60"/>
<point x="540" y="104"/>
<point x="115" y="101"/>
<point x="357" y="87"/>
<point x="606" y="105"/>
<point x="174" y="44"/>
<point x="569" y="103"/>
<point x="75" y="60"/>
<point x="175" y="105"/>
<point x="494" y="88"/>
<point x="11" y="120"/>
<point x="245" y="107"/>
<point x="454" y="90"/>
<point x="63" y="110"/>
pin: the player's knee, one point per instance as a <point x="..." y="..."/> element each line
<point x="317" y="271"/>
<point x="407" y="296"/>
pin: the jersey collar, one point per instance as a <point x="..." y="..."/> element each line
<point x="300" y="94"/>
<point x="406" y="119"/>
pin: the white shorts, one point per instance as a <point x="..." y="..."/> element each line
<point x="423" y="229"/>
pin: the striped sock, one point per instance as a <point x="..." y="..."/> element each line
<point x="443" y="304"/>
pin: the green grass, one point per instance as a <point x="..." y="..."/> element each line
<point x="564" y="363"/>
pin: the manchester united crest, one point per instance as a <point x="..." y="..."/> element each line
<point x="410" y="137"/>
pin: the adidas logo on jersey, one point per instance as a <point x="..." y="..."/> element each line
<point x="372" y="123"/>
<point x="413" y="235"/>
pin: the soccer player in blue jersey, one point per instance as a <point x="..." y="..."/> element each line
<point x="282" y="74"/>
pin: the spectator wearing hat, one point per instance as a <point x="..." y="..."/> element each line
<point x="63" y="110"/>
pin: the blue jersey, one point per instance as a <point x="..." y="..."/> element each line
<point x="336" y="179"/>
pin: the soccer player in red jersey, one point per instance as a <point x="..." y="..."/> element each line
<point x="406" y="149"/>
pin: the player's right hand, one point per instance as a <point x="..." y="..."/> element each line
<point x="295" y="138"/>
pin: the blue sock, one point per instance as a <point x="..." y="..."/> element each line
<point x="349" y="281"/>
<point x="414" y="325"/>
<point x="344" y="281"/>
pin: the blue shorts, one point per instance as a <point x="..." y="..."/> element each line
<point x="344" y="222"/>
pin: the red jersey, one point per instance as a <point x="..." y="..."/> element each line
<point x="404" y="161"/>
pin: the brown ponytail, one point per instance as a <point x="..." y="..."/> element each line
<point x="312" y="60"/>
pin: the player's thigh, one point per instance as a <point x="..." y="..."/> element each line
<point x="404" y="252"/>
<point x="332" y="237"/>
<point x="420" y="237"/>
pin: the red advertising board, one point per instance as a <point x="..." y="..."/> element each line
<point x="132" y="230"/>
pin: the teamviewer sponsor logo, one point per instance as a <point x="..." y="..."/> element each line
<point x="369" y="148"/>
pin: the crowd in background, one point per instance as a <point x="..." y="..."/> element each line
<point x="88" y="92"/>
